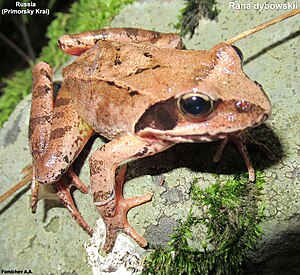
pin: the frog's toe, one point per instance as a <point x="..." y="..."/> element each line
<point x="112" y="228"/>
<point x="64" y="196"/>
<point x="118" y="220"/>
<point x="60" y="191"/>
<point x="75" y="180"/>
<point x="241" y="140"/>
<point x="262" y="147"/>
<point x="39" y="192"/>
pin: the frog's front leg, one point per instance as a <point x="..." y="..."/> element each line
<point x="241" y="140"/>
<point x="57" y="135"/>
<point x="107" y="192"/>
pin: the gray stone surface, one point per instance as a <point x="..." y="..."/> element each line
<point x="50" y="242"/>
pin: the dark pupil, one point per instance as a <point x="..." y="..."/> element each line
<point x="194" y="105"/>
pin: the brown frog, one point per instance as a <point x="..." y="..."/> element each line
<point x="144" y="92"/>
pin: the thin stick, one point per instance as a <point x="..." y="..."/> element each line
<point x="24" y="32"/>
<point x="15" y="188"/>
<point x="263" y="26"/>
<point x="16" y="48"/>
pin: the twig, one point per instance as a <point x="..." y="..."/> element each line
<point x="15" y="47"/>
<point x="16" y="187"/>
<point x="262" y="26"/>
<point x="26" y="38"/>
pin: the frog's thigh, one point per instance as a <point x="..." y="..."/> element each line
<point x="68" y="135"/>
<point x="41" y="109"/>
<point x="76" y="44"/>
<point x="104" y="162"/>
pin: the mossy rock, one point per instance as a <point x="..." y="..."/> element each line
<point x="50" y="242"/>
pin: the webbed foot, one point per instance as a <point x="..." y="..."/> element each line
<point x="114" y="214"/>
<point x="62" y="193"/>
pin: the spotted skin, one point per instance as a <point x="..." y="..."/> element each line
<point x="76" y="44"/>
<point x="57" y="134"/>
<point x="108" y="196"/>
<point x="50" y="124"/>
<point x="125" y="85"/>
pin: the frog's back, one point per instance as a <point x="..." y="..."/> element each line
<point x="112" y="84"/>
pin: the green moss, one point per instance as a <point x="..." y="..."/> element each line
<point x="232" y="217"/>
<point x="193" y="12"/>
<point x="83" y="15"/>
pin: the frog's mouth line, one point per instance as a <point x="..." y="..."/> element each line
<point x="198" y="138"/>
<point x="202" y="138"/>
<point x="205" y="137"/>
<point x="212" y="137"/>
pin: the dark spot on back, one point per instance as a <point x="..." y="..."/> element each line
<point x="111" y="83"/>
<point x="138" y="71"/>
<point x="147" y="54"/>
<point x="117" y="60"/>
<point x="133" y="93"/>
<point x="155" y="37"/>
<point x="132" y="32"/>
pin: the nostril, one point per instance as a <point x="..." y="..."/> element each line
<point x="243" y="106"/>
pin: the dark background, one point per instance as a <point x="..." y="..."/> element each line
<point x="26" y="32"/>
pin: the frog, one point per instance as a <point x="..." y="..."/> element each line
<point x="144" y="92"/>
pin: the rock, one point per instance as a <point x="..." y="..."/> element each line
<point x="50" y="242"/>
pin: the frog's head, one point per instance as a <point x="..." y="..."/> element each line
<point x="223" y="102"/>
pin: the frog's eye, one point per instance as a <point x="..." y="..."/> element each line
<point x="195" y="105"/>
<point x="238" y="51"/>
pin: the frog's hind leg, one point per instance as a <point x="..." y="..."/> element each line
<point x="61" y="192"/>
<point x="107" y="189"/>
<point x="57" y="135"/>
<point x="64" y="195"/>
<point x="41" y="113"/>
<point x="76" y="44"/>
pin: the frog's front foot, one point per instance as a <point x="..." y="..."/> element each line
<point x="241" y="140"/>
<point x="114" y="214"/>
